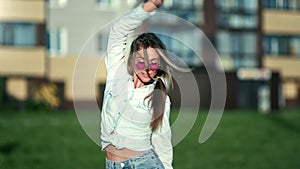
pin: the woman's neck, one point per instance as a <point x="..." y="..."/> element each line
<point x="137" y="83"/>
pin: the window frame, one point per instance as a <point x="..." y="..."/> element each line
<point x="11" y="37"/>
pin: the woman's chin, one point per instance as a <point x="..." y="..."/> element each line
<point x="146" y="79"/>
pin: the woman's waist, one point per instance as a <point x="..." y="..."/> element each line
<point x="118" y="155"/>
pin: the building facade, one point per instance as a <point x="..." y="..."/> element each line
<point x="281" y="44"/>
<point x="41" y="40"/>
<point x="79" y="29"/>
<point x="22" y="45"/>
<point x="256" y="35"/>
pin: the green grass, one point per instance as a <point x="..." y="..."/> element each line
<point x="243" y="139"/>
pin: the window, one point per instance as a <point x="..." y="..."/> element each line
<point x="238" y="5"/>
<point x="102" y="42"/>
<point x="240" y="47"/>
<point x="276" y="45"/>
<point x="57" y="3"/>
<point x="223" y="42"/>
<point x="6" y="34"/>
<point x="184" y="4"/>
<point x="57" y="42"/>
<point x="282" y="4"/>
<point x="294" y="4"/>
<point x="131" y="3"/>
<point x="168" y="3"/>
<point x="236" y="39"/>
<point x="249" y="42"/>
<point x="295" y="46"/>
<point x="189" y="10"/>
<point x="104" y="4"/>
<point x="2" y="34"/>
<point x="250" y="5"/>
<point x="24" y="35"/>
<point x="18" y="34"/>
<point x="237" y="14"/>
<point x="183" y="54"/>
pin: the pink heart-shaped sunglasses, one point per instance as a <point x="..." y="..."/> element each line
<point x="152" y="66"/>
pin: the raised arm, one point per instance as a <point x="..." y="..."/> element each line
<point x="124" y="26"/>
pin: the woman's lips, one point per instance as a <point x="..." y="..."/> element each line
<point x="145" y="75"/>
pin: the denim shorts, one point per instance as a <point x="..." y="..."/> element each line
<point x="145" y="160"/>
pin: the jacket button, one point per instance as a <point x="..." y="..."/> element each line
<point x="122" y="165"/>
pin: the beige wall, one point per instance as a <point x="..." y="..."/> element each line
<point x="88" y="70"/>
<point x="278" y="22"/>
<point x="22" y="61"/>
<point x="288" y="67"/>
<point x="31" y="63"/>
<point x="283" y="23"/>
<point x="290" y="89"/>
<point x="22" y="10"/>
<point x="17" y="88"/>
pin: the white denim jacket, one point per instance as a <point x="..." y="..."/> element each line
<point x="126" y="116"/>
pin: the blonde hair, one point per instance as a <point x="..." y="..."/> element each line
<point x="163" y="76"/>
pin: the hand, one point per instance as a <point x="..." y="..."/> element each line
<point x="151" y="5"/>
<point x="157" y="3"/>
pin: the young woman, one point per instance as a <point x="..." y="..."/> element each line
<point x="135" y="129"/>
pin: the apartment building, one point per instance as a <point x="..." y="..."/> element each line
<point x="22" y="45"/>
<point x="77" y="34"/>
<point x="255" y="35"/>
<point x="281" y="42"/>
<point x="43" y="41"/>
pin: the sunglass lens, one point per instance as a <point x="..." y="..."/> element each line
<point x="140" y="65"/>
<point x="154" y="66"/>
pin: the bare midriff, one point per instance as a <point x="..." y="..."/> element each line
<point x="118" y="155"/>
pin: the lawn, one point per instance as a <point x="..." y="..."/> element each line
<point x="243" y="139"/>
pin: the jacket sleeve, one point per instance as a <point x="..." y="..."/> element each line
<point x="119" y="33"/>
<point x="161" y="139"/>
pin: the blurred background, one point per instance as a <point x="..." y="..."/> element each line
<point x="258" y="42"/>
